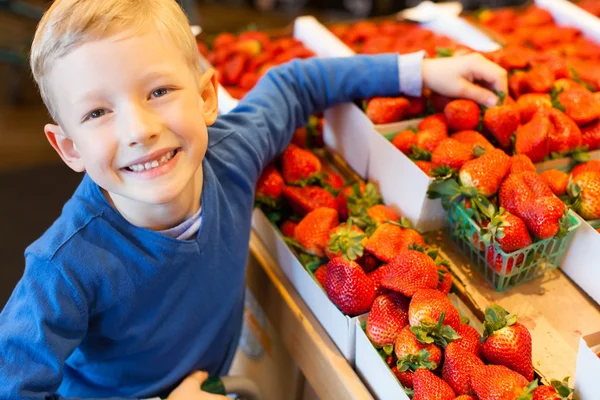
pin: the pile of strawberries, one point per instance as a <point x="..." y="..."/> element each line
<point x="241" y="60"/>
<point x="591" y="6"/>
<point x="414" y="333"/>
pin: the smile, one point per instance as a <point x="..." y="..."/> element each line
<point x="153" y="163"/>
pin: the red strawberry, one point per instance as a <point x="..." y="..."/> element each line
<point x="506" y="342"/>
<point x="502" y="122"/>
<point x="508" y="230"/>
<point x="306" y="199"/>
<point x="521" y="163"/>
<point x="520" y="189"/>
<point x="556" y="180"/>
<point x="384" y="110"/>
<point x="298" y="164"/>
<point x="416" y="106"/>
<point x="361" y="31"/>
<point x="462" y="115"/>
<point x="556" y="390"/>
<point x="248" y="80"/>
<point x="565" y="84"/>
<point x="224" y="40"/>
<point x="465" y="397"/>
<point x="593" y="165"/>
<point x="439" y="102"/>
<point x="517" y="84"/>
<point x="342" y="199"/>
<point x="429" y="139"/>
<point x="413" y="354"/>
<point x="530" y="103"/>
<point x="496" y="382"/>
<point x="469" y="339"/>
<point x="348" y="287"/>
<point x="234" y="68"/>
<point x="425" y="166"/>
<point x="269" y="186"/>
<point x="321" y="275"/>
<point x="389" y="240"/>
<point x="410" y="271"/>
<point x="404" y="141"/>
<point x="347" y="241"/>
<point x="428" y="305"/>
<point x="368" y="262"/>
<point x="590" y="136"/>
<point x="405" y="377"/>
<point x="381" y="214"/>
<point x="580" y="105"/>
<point x="587" y="204"/>
<point x="388" y="315"/>
<point x="445" y="279"/>
<point x="312" y="231"/>
<point x="452" y="153"/>
<point x="332" y="179"/>
<point x="473" y="139"/>
<point x="261" y="37"/>
<point x="436" y="123"/>
<point x="533" y="138"/>
<point x="236" y="92"/>
<point x="496" y="259"/>
<point x="458" y="366"/>
<point x="543" y="216"/>
<point x="288" y="228"/>
<point x="486" y="172"/>
<point x="566" y="135"/>
<point x="427" y="386"/>
<point x="376" y="276"/>
<point x="249" y="47"/>
<point x="539" y="79"/>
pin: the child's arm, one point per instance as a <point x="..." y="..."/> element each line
<point x="286" y="96"/>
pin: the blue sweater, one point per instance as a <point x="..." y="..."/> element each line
<point x="108" y="309"/>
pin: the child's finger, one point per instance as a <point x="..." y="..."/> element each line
<point x="478" y="94"/>
<point x="484" y="69"/>
<point x="194" y="380"/>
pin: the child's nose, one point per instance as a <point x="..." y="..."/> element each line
<point x="142" y="126"/>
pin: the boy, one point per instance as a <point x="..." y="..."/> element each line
<point x="140" y="281"/>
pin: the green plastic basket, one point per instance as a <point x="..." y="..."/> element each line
<point x="510" y="269"/>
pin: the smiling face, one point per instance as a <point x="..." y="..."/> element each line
<point x="133" y="115"/>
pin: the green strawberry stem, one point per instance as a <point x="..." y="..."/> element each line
<point x="449" y="191"/>
<point x="413" y="362"/>
<point x="438" y="333"/>
<point x="562" y="388"/>
<point x="348" y="242"/>
<point x="418" y="154"/>
<point x="404" y="223"/>
<point x="496" y="318"/>
<point x="444" y="172"/>
<point x="527" y="393"/>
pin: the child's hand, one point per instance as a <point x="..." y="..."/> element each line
<point x="454" y="77"/>
<point x="189" y="389"/>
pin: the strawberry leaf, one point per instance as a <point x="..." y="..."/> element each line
<point x="418" y="154"/>
<point x="413" y="362"/>
<point x="293" y="244"/>
<point x="348" y="242"/>
<point x="562" y="388"/>
<point x="464" y="320"/>
<point x="444" y="172"/>
<point x="438" y="333"/>
<point x="527" y="393"/>
<point x="442" y="52"/>
<point x="388" y="349"/>
<point x="496" y="318"/>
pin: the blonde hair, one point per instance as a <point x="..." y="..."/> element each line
<point x="70" y="23"/>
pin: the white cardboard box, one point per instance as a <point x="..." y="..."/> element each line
<point x="338" y="326"/>
<point x="588" y="368"/>
<point x="567" y="13"/>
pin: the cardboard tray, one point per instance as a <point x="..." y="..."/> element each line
<point x="588" y="367"/>
<point x="567" y="13"/>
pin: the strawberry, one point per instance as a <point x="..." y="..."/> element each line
<point x="234" y="68"/>
<point x="389" y="240"/>
<point x="520" y="189"/>
<point x="469" y="339"/>
<point x="426" y="166"/>
<point x="288" y="228"/>
<point x="590" y="136"/>
<point x="502" y="122"/>
<point x="347" y="241"/>
<point x="405" y="377"/>
<point x="342" y="198"/>
<point x="298" y="164"/>
<point x="334" y="180"/>
<point x="532" y="139"/>
<point x="368" y="262"/>
<point x="462" y="115"/>
<point x="413" y="354"/>
<point x="427" y="386"/>
<point x="521" y="163"/>
<point x="321" y="275"/>
<point x="458" y="365"/>
<point x="436" y="122"/>
<point x="306" y="199"/>
<point x="381" y="214"/>
<point x="202" y="48"/>
<point x="566" y="135"/>
<point x="348" y="287"/>
<point x="486" y="172"/>
<point x="561" y="85"/>
<point x="388" y="315"/>
<point x="517" y="84"/>
<point x="496" y="382"/>
<point x="587" y="194"/>
<point x="539" y="79"/>
<point x="473" y="139"/>
<point x="376" y="276"/>
<point x="384" y="110"/>
<point x="445" y="279"/>
<point x="416" y="106"/>
<point x="249" y="47"/>
<point x="261" y="37"/>
<point x="404" y="141"/>
<point x="361" y="31"/>
<point x="429" y="139"/>
<point x="580" y="105"/>
<point x="426" y="309"/>
<point x="358" y="202"/>
<point x="496" y="259"/>
<point x="465" y="397"/>
<point x="506" y="342"/>
<point x="410" y="271"/>
<point x="236" y="92"/>
<point x="224" y="40"/>
<point x="248" y="80"/>
<point x="544" y="217"/>
<point x="269" y="186"/>
<point x="593" y="165"/>
<point x="439" y="101"/>
<point x="312" y="232"/>
<point x="508" y="231"/>
<point x="530" y="103"/>
<point x="556" y="180"/>
<point x="451" y="153"/>
<point x="556" y="390"/>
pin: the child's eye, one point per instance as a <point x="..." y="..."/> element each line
<point x="160" y="92"/>
<point x="96" y="114"/>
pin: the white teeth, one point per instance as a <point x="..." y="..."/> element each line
<point x="152" y="164"/>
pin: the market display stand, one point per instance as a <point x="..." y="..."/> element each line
<point x="324" y="367"/>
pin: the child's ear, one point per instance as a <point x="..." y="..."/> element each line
<point x="210" y="101"/>
<point x="64" y="146"/>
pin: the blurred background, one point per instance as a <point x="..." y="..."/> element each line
<point x="34" y="183"/>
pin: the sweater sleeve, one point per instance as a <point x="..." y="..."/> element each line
<point x="43" y="322"/>
<point x="287" y="95"/>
